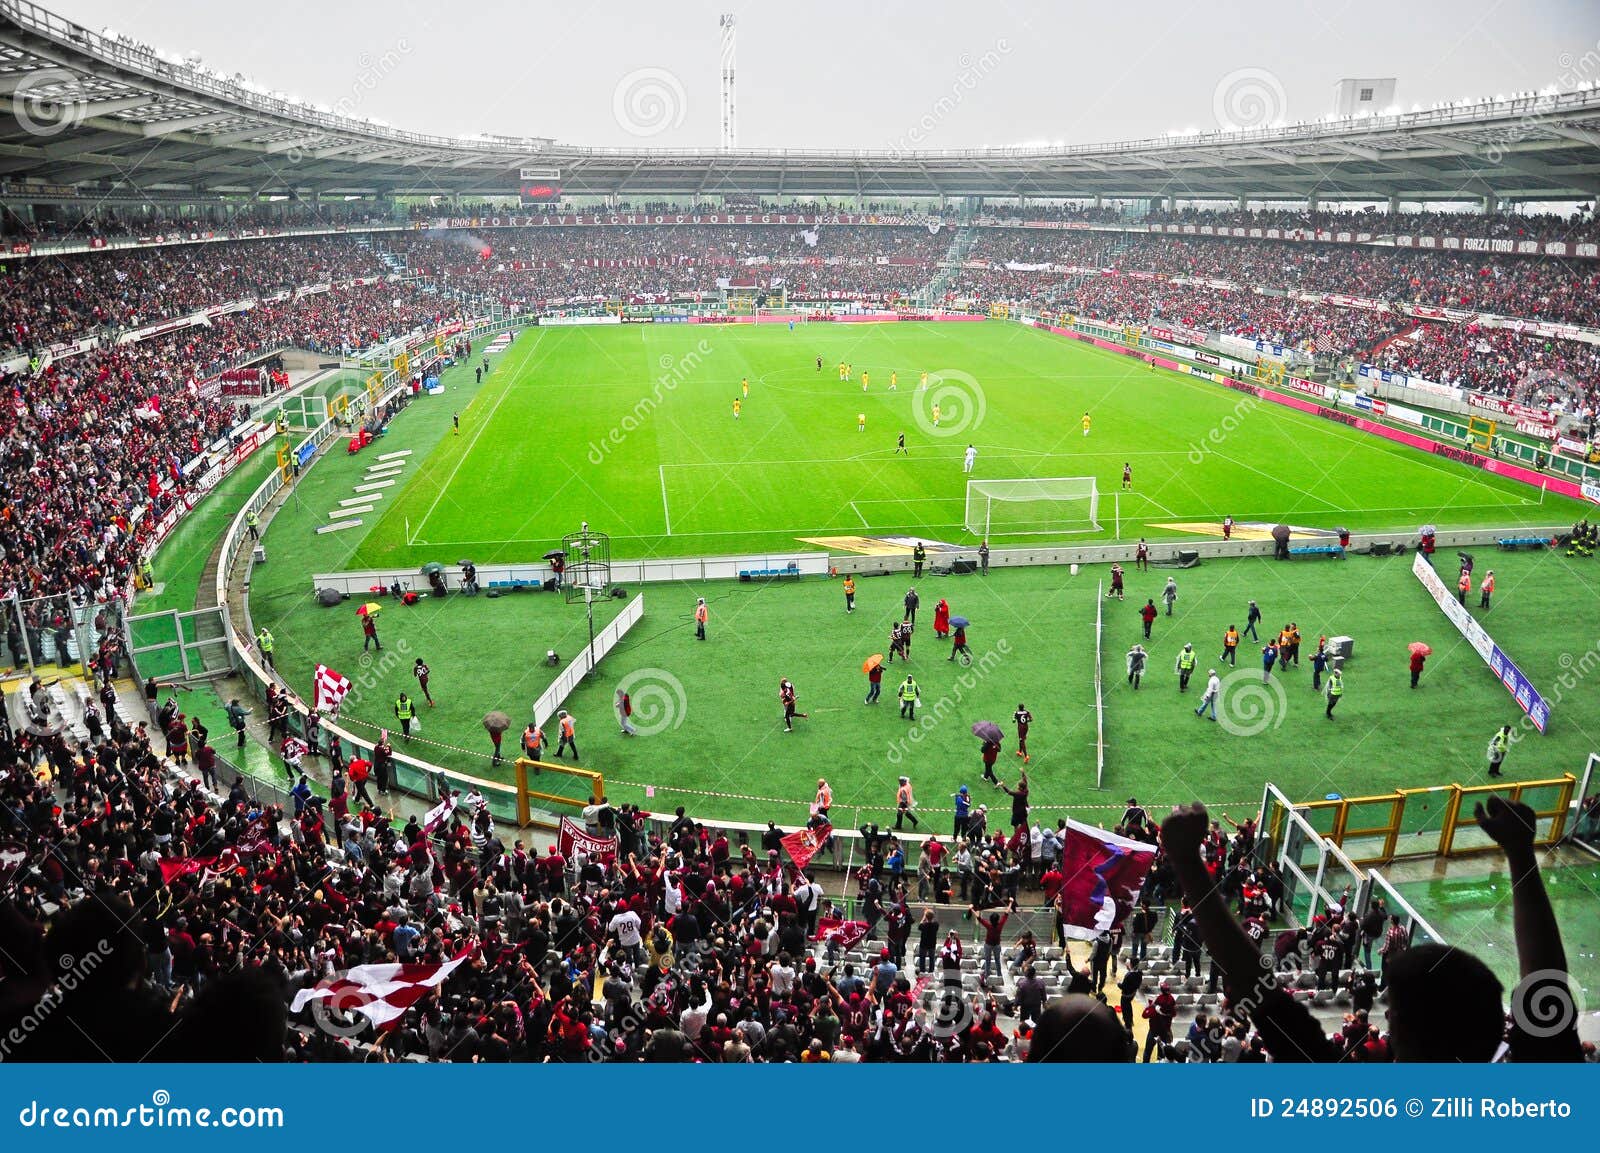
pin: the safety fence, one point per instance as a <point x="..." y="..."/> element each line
<point x="1585" y="828"/>
<point x="1434" y="821"/>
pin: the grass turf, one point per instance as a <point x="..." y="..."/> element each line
<point x="717" y="745"/>
<point x="631" y="428"/>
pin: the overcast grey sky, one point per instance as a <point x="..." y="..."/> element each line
<point x="819" y="73"/>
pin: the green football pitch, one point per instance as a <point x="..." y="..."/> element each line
<point x="632" y="428"/>
<point x="519" y="474"/>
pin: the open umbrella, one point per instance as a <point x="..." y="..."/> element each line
<point x="496" y="722"/>
<point x="555" y="554"/>
<point x="871" y="662"/>
<point x="370" y="609"/>
<point x="1419" y="647"/>
<point x="432" y="567"/>
<point x="987" y="731"/>
<point x="959" y="622"/>
<point x="1280" y="533"/>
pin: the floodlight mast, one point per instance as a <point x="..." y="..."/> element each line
<point x="729" y="43"/>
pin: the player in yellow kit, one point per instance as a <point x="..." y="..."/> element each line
<point x="865" y="376"/>
<point x="924" y="383"/>
<point x="894" y="381"/>
<point x="842" y="369"/>
<point x="736" y="404"/>
<point x="744" y="386"/>
<point x="935" y="416"/>
<point x="1086" y="424"/>
<point x="861" y="422"/>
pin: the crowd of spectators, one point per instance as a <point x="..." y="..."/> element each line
<point x="1579" y="226"/>
<point x="1560" y="376"/>
<point x="105" y="222"/>
<point x="207" y="911"/>
<point x="59" y="298"/>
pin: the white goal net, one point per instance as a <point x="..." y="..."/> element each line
<point x="1045" y="506"/>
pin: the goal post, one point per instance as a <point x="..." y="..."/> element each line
<point x="1044" y="506"/>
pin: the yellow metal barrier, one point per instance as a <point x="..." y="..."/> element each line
<point x="593" y="780"/>
<point x="1370" y="829"/>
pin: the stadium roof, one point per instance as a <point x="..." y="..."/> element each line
<point x="81" y="110"/>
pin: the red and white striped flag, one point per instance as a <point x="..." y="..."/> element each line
<point x="380" y="993"/>
<point x="331" y="688"/>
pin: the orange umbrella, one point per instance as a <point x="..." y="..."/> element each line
<point x="871" y="662"/>
<point x="1419" y="647"/>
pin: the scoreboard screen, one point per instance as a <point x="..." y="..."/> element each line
<point x="540" y="185"/>
<point x="540" y="192"/>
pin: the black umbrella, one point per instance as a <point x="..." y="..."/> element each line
<point x="1280" y="533"/>
<point x="555" y="554"/>
<point x="987" y="731"/>
<point x="432" y="567"/>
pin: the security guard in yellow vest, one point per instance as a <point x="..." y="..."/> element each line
<point x="1335" y="691"/>
<point x="1186" y="662"/>
<point x="264" y="642"/>
<point x="405" y="710"/>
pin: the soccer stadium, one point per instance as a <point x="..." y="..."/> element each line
<point x="635" y="595"/>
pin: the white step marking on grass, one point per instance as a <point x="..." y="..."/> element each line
<point x="339" y="512"/>
<point x="393" y="455"/>
<point x="666" y="512"/>
<point x="337" y="525"/>
<point x="386" y="474"/>
<point x="368" y="499"/>
<point x="397" y="466"/>
<point x="374" y="485"/>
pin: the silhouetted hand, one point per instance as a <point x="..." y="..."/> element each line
<point x="1510" y="824"/>
<point x="1185" y="831"/>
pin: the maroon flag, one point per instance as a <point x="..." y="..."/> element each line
<point x="847" y="933"/>
<point x="184" y="867"/>
<point x="1104" y="873"/>
<point x="803" y="844"/>
<point x="571" y="837"/>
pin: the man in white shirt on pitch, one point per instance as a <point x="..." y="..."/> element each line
<point x="972" y="455"/>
